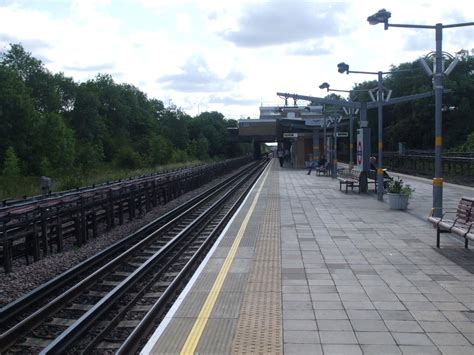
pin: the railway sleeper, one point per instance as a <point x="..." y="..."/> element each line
<point x="107" y="345"/>
<point x="128" y="323"/>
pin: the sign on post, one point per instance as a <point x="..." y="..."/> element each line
<point x="342" y="134"/>
<point x="290" y="135"/>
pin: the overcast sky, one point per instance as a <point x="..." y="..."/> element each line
<point x="228" y="56"/>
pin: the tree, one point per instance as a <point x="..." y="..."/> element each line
<point x="17" y="115"/>
<point x="199" y="148"/>
<point x="174" y="127"/>
<point x="212" y="126"/>
<point x="11" y="165"/>
<point x="35" y="76"/>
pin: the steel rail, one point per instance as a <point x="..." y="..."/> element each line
<point x="141" y="331"/>
<point x="14" y="308"/>
<point x="7" y="338"/>
<point x="65" y="340"/>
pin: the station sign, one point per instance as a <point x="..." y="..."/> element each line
<point x="342" y="134"/>
<point x="290" y="135"/>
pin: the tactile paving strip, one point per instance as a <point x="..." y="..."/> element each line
<point x="259" y="329"/>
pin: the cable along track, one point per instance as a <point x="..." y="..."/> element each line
<point x="114" y="307"/>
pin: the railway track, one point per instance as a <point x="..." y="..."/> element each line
<point x="110" y="302"/>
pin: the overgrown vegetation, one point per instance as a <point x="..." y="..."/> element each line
<point x="54" y="126"/>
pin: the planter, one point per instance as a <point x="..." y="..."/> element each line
<point x="397" y="201"/>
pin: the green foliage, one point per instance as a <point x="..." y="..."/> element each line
<point x="11" y="165"/>
<point x="199" y="148"/>
<point x="179" y="156"/>
<point x="397" y="186"/>
<point x="45" y="167"/>
<point x="70" y="130"/>
<point x="467" y="146"/>
<point x="127" y="158"/>
<point x="413" y="122"/>
<point x="161" y="150"/>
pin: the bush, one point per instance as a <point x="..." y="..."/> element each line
<point x="127" y="158"/>
<point x="11" y="165"/>
<point x="399" y="187"/>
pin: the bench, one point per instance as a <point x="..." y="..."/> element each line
<point x="372" y="179"/>
<point x="461" y="223"/>
<point x="350" y="178"/>
<point x="322" y="169"/>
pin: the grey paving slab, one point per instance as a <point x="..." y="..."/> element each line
<point x="299" y="324"/>
<point x="356" y="277"/>
<point x="407" y="326"/>
<point x="420" y="350"/>
<point x="375" y="338"/>
<point x="411" y="339"/>
<point x="298" y="349"/>
<point x="381" y="349"/>
<point x="340" y="349"/>
<point x="301" y="336"/>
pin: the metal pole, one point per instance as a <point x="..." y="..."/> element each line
<point x="351" y="138"/>
<point x="380" y="143"/>
<point x="325" y="138"/>
<point x="334" y="162"/>
<point x="438" y="88"/>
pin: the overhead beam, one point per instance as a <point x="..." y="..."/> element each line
<point x="398" y="100"/>
<point x="320" y="100"/>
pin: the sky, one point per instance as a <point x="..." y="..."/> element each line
<point x="228" y="56"/>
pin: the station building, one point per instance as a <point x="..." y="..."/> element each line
<point x="301" y="131"/>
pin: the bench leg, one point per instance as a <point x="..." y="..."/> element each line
<point x="437" y="238"/>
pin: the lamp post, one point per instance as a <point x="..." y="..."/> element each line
<point x="344" y="68"/>
<point x="352" y="111"/>
<point x="382" y="16"/>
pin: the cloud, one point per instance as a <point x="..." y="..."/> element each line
<point x="280" y="22"/>
<point x="232" y="100"/>
<point x="196" y="76"/>
<point x="91" y="68"/>
<point x="420" y="41"/>
<point x="309" y="49"/>
<point x="30" y="44"/>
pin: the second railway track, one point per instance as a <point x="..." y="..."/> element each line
<point x="110" y="302"/>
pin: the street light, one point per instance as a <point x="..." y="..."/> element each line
<point x="352" y="111"/>
<point x="382" y="16"/>
<point x="344" y="68"/>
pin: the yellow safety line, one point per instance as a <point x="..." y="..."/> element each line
<point x="193" y="338"/>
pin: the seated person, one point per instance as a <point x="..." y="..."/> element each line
<point x="322" y="162"/>
<point x="373" y="161"/>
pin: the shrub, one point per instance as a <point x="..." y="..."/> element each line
<point x="11" y="165"/>
<point x="127" y="158"/>
<point x="397" y="186"/>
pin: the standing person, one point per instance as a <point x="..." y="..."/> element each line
<point x="311" y="165"/>
<point x="280" y="157"/>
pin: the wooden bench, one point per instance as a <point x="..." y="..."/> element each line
<point x="458" y="221"/>
<point x="372" y="179"/>
<point x="322" y="169"/>
<point x="350" y="178"/>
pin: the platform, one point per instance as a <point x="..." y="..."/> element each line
<point x="304" y="268"/>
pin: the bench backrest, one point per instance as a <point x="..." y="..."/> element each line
<point x="465" y="213"/>
<point x="356" y="173"/>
